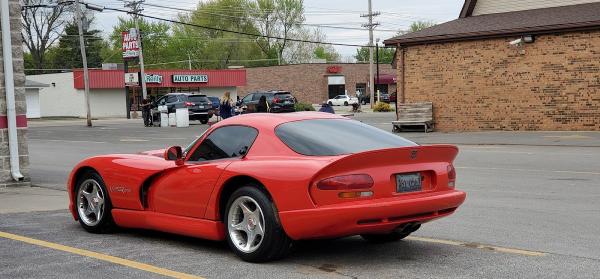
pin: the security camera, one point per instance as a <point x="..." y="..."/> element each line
<point x="516" y="42"/>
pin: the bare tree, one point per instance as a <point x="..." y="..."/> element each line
<point x="42" y="26"/>
<point x="278" y="18"/>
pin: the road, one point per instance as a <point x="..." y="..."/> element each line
<point x="540" y="200"/>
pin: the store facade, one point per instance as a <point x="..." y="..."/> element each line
<point x="316" y="83"/>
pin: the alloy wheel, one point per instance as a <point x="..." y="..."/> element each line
<point x="246" y="224"/>
<point x="90" y="202"/>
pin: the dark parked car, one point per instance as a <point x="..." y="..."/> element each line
<point x="279" y="101"/>
<point x="198" y="105"/>
<point x="393" y="97"/>
<point x="383" y="97"/>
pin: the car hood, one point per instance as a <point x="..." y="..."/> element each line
<point x="157" y="152"/>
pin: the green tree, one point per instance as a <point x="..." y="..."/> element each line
<point x="67" y="55"/>
<point x="420" y="25"/>
<point x="386" y="55"/>
<point x="155" y="41"/>
<point x="328" y="53"/>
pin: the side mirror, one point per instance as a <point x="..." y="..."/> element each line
<point x="174" y="153"/>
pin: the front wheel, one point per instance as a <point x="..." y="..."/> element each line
<point x="330" y="104"/>
<point x="93" y="204"/>
<point x="203" y="121"/>
<point x="253" y="230"/>
<point x="345" y="103"/>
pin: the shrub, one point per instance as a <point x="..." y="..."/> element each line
<point x="304" y="107"/>
<point x="382" y="107"/>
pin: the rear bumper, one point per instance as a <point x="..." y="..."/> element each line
<point x="369" y="216"/>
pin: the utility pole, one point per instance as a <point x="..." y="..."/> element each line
<point x="136" y="8"/>
<point x="377" y="63"/>
<point x="189" y="61"/>
<point x="86" y="82"/>
<point x="371" y="25"/>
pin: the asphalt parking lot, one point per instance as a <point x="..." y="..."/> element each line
<point x="531" y="212"/>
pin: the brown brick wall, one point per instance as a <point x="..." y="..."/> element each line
<point x="551" y="84"/>
<point x="307" y="82"/>
<point x="20" y="106"/>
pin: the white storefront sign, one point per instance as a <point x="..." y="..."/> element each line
<point x="132" y="79"/>
<point x="152" y="78"/>
<point x="190" y="78"/>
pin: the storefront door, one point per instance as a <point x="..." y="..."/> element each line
<point x="336" y="89"/>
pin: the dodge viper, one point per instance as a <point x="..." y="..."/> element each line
<point x="262" y="181"/>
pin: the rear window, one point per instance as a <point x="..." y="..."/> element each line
<point x="330" y="137"/>
<point x="198" y="99"/>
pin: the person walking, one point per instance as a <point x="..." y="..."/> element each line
<point x="226" y="106"/>
<point x="262" y="105"/>
<point x="146" y="114"/>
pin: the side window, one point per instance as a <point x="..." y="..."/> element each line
<point x="256" y="97"/>
<point x="171" y="99"/>
<point x="161" y="101"/>
<point x="225" y="142"/>
<point x="248" y="98"/>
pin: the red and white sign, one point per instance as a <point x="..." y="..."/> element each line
<point x="131" y="48"/>
<point x="132" y="79"/>
<point x="334" y="69"/>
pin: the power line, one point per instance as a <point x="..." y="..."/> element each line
<point x="233" y="31"/>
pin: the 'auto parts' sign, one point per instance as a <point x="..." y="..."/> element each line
<point x="190" y="78"/>
<point x="131" y="48"/>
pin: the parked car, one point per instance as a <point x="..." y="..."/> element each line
<point x="342" y="100"/>
<point x="393" y="97"/>
<point x="279" y="101"/>
<point x="383" y="97"/>
<point x="198" y="105"/>
<point x="261" y="182"/>
<point x="216" y="103"/>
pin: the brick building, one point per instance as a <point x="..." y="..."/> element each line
<point x="315" y="83"/>
<point x="507" y="65"/>
<point x="20" y="161"/>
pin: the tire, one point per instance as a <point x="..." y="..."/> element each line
<point x="346" y="104"/>
<point x="259" y="212"/>
<point x="390" y="237"/>
<point x="92" y="200"/>
<point x="203" y="121"/>
<point x="330" y="104"/>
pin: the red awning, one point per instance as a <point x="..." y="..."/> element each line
<point x="115" y="79"/>
<point x="386" y="79"/>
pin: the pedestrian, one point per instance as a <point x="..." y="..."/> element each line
<point x="263" y="105"/>
<point x="325" y="107"/>
<point x="226" y="106"/>
<point x="146" y="114"/>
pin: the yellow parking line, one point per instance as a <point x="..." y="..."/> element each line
<point x="479" y="246"/>
<point x="99" y="256"/>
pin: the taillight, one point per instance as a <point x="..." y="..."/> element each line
<point x="346" y="182"/>
<point x="451" y="176"/>
<point x="276" y="100"/>
<point x="189" y="104"/>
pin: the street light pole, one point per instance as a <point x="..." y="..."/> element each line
<point x="86" y="83"/>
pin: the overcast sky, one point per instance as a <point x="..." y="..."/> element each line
<point x="396" y="15"/>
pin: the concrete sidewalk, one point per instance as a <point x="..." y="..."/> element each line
<point x="562" y="138"/>
<point x="27" y="199"/>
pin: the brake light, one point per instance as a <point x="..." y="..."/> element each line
<point x="189" y="104"/>
<point x="451" y="176"/>
<point x="276" y="100"/>
<point x="346" y="182"/>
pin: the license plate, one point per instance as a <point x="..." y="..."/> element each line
<point x="287" y="102"/>
<point x="408" y="182"/>
<point x="200" y="106"/>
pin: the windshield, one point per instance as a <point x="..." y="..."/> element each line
<point x="198" y="99"/>
<point x="329" y="137"/>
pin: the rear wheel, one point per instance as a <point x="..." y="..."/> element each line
<point x="93" y="204"/>
<point x="393" y="236"/>
<point x="330" y="103"/>
<point x="203" y="121"/>
<point x="345" y="103"/>
<point x="253" y="230"/>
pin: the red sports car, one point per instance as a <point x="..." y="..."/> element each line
<point x="261" y="181"/>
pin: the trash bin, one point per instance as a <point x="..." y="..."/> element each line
<point x="164" y="120"/>
<point x="172" y="119"/>
<point x="182" y="117"/>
